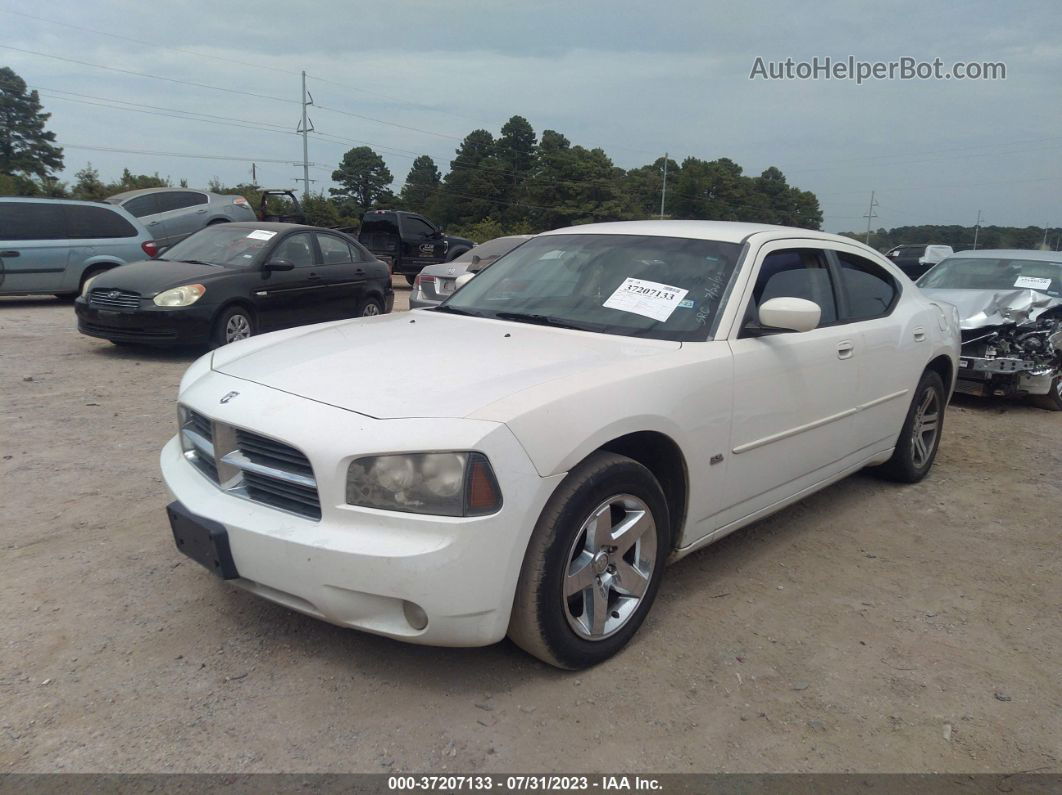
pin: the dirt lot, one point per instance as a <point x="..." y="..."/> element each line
<point x="871" y="627"/>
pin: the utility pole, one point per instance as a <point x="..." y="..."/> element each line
<point x="663" y="190"/>
<point x="1043" y="246"/>
<point x="977" y="229"/>
<point x="254" y="174"/>
<point x="870" y="216"/>
<point x="305" y="128"/>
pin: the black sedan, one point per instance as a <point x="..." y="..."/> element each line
<point x="231" y="281"/>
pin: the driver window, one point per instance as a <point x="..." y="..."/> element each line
<point x="797" y="273"/>
<point x="297" y="249"/>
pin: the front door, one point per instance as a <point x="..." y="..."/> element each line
<point x="286" y="298"/>
<point x="795" y="393"/>
<point x="421" y="243"/>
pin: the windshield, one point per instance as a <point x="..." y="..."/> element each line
<point x="638" y="286"/>
<point x="907" y="251"/>
<point x="222" y="244"/>
<point x="484" y="254"/>
<point x="988" y="273"/>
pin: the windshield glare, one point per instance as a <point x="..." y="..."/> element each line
<point x="987" y="273"/>
<point x="486" y="253"/>
<point x="639" y="286"/>
<point x="234" y="247"/>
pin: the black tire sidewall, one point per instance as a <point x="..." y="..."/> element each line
<point x="624" y="477"/>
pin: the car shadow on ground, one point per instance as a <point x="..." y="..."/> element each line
<point x="997" y="405"/>
<point x="28" y="301"/>
<point x="148" y="353"/>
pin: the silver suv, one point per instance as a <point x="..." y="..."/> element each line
<point x="172" y="214"/>
<point x="56" y="245"/>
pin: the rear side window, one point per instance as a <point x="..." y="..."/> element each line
<point x="334" y="251"/>
<point x="141" y="206"/>
<point x="297" y="248"/>
<point x="96" y="223"/>
<point x="797" y="273"/>
<point x="31" y="221"/>
<point x="178" y="200"/>
<point x="360" y="254"/>
<point x="871" y="291"/>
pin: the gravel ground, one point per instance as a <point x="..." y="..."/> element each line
<point x="871" y="627"/>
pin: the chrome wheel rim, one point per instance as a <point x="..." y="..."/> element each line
<point x="370" y="310"/>
<point x="610" y="565"/>
<point x="926" y="427"/>
<point x="238" y="327"/>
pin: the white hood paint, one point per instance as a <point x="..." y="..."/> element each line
<point x="426" y="364"/>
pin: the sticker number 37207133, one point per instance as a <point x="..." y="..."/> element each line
<point x="645" y="298"/>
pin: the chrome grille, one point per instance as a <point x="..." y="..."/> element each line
<point x="103" y="298"/>
<point x="249" y="465"/>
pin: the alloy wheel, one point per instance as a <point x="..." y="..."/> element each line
<point x="370" y="310"/>
<point x="238" y="327"/>
<point x="925" y="427"/>
<point x="610" y="565"/>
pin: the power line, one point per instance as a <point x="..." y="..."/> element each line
<point x="146" y="74"/>
<point x="234" y="158"/>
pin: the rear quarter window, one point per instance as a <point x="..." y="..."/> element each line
<point x="96" y="223"/>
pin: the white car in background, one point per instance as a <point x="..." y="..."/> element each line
<point x="626" y="393"/>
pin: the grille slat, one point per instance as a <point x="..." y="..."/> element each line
<point x="114" y="299"/>
<point x="251" y="466"/>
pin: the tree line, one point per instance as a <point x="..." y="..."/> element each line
<point x="961" y="238"/>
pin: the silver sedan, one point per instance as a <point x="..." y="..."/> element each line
<point x="436" y="283"/>
<point x="172" y="214"/>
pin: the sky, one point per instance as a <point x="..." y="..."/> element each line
<point x="411" y="77"/>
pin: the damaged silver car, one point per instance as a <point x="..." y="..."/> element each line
<point x="1010" y="310"/>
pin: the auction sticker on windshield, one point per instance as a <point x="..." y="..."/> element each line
<point x="262" y="234"/>
<point x="648" y="299"/>
<point x="1032" y="282"/>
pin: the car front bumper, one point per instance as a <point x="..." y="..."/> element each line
<point x="147" y="325"/>
<point x="359" y="567"/>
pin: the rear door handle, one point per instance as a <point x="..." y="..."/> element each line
<point x="845" y="349"/>
<point x="9" y="254"/>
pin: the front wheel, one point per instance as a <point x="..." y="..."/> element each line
<point x="410" y="278"/>
<point x="234" y="324"/>
<point x="370" y="307"/>
<point x="1052" y="401"/>
<point x="594" y="564"/>
<point x="919" y="440"/>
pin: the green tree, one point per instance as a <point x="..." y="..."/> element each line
<point x="363" y="177"/>
<point x="422" y="183"/>
<point x="26" y="148"/>
<point x="131" y="181"/>
<point x="320" y="211"/>
<point x="514" y="152"/>
<point x="474" y="188"/>
<point x="88" y="186"/>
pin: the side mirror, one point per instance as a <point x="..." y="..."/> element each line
<point x="279" y="265"/>
<point x="462" y="280"/>
<point x="790" y="314"/>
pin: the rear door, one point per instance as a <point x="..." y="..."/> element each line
<point x="795" y="393"/>
<point x="34" y="252"/>
<point x="421" y="243"/>
<point x="345" y="278"/>
<point x="146" y="208"/>
<point x="182" y="213"/>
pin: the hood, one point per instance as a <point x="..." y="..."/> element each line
<point x="981" y="308"/>
<point x="424" y="364"/>
<point x="153" y="276"/>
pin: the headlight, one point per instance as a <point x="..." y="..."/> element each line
<point x="88" y="284"/>
<point x="443" y="484"/>
<point x="180" y="296"/>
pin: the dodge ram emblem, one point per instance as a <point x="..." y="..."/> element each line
<point x="229" y="397"/>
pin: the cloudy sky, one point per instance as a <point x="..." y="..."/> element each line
<point x="414" y="76"/>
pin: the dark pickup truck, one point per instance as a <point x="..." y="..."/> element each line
<point x="408" y="241"/>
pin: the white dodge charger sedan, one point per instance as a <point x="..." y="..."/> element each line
<point x="525" y="458"/>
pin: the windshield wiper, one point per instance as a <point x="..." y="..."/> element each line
<point x="196" y="262"/>
<point x="453" y="310"/>
<point x="541" y="320"/>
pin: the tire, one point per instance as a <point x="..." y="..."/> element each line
<point x="91" y="272"/>
<point x="370" y="307"/>
<point x="451" y="256"/>
<point x="410" y="278"/>
<point x="233" y="324"/>
<point x="1052" y="401"/>
<point x="217" y="221"/>
<point x="563" y="631"/>
<point x="916" y="449"/>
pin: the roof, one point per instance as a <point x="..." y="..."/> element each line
<point x="276" y="226"/>
<point x="724" y="231"/>
<point x="1010" y="253"/>
<point x="129" y="194"/>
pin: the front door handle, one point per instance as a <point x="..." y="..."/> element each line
<point x="845" y="349"/>
<point x="200" y="212"/>
<point x="9" y="254"/>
